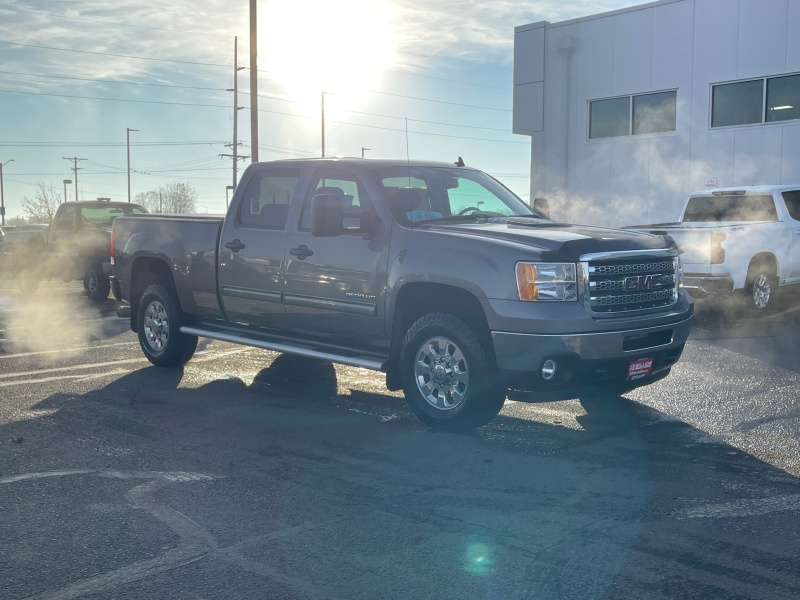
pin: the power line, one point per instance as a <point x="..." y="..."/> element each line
<point x="114" y="99"/>
<point x="38" y="12"/>
<point x="167" y="60"/>
<point x="106" y="144"/>
<point x="459" y="137"/>
<point x="166" y="85"/>
<point x="439" y="101"/>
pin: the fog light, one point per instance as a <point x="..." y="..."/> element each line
<point x="549" y="369"/>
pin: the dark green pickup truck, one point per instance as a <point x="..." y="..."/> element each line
<point x="75" y="246"/>
<point x="435" y="274"/>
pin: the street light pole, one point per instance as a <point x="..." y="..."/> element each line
<point x="66" y="181"/>
<point x="363" y="149"/>
<point x="2" y="199"/>
<point x="128" y="145"/>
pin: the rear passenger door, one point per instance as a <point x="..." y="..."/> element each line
<point x="792" y="199"/>
<point x="252" y="247"/>
<point x="335" y="286"/>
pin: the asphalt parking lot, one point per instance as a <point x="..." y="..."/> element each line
<point x="250" y="474"/>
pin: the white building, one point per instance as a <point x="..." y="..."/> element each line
<point x="629" y="111"/>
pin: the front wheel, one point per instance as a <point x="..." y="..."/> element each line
<point x="95" y="283"/>
<point x="28" y="279"/>
<point x="447" y="380"/>
<point x="158" y="326"/>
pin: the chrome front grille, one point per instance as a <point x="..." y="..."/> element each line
<point x="615" y="284"/>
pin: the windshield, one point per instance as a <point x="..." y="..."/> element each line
<point x="418" y="194"/>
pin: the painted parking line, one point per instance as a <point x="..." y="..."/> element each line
<point x="63" y="350"/>
<point x="48" y="375"/>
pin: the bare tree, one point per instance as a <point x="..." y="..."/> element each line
<point x="43" y="205"/>
<point x="175" y="198"/>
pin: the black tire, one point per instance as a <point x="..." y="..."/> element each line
<point x="96" y="283"/>
<point x="158" y="324"/>
<point x="448" y="381"/>
<point x="26" y="266"/>
<point x="27" y="279"/>
<point x="761" y="288"/>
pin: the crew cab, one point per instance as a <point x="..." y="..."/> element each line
<point x="742" y="240"/>
<point x="432" y="273"/>
<point x="74" y="246"/>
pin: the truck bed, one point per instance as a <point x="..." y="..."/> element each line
<point x="189" y="244"/>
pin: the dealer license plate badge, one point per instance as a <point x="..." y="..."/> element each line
<point x="639" y="369"/>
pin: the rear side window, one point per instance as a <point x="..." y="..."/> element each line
<point x="66" y="219"/>
<point x="267" y="198"/>
<point x="348" y="188"/>
<point x="731" y="207"/>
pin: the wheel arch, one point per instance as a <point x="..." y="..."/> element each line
<point x="144" y="272"/>
<point x="416" y="299"/>
<point x="767" y="259"/>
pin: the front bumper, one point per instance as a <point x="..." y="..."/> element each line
<point x="586" y="360"/>
<point x="701" y="284"/>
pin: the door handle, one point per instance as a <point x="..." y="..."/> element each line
<point x="235" y="245"/>
<point x="301" y="252"/>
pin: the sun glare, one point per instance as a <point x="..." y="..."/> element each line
<point x="340" y="47"/>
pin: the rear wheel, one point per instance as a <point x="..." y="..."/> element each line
<point x="447" y="380"/>
<point x="158" y="326"/>
<point x="95" y="283"/>
<point x="762" y="287"/>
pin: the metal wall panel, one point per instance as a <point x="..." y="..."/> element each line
<point x="633" y="52"/>
<point x="762" y="37"/>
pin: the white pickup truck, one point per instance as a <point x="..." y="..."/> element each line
<point x="739" y="239"/>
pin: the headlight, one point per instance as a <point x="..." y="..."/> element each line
<point x="680" y="273"/>
<point x="546" y="281"/>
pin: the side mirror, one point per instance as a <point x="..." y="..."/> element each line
<point x="327" y="215"/>
<point x="542" y="206"/>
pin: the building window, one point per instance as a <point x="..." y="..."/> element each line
<point x="746" y="103"/>
<point x="654" y="113"/>
<point x="737" y="103"/>
<point x="783" y="98"/>
<point x="633" y="115"/>
<point x="610" y="118"/>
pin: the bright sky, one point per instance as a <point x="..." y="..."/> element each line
<point x="75" y="74"/>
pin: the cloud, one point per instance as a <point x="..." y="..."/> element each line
<point x="479" y="30"/>
<point x="201" y="31"/>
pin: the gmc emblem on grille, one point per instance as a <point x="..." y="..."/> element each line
<point x="642" y="283"/>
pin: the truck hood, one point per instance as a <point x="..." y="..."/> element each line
<point x="553" y="241"/>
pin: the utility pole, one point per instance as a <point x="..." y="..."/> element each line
<point x="236" y="108"/>
<point x="323" y="124"/>
<point x="128" y="145"/>
<point x="363" y="149"/>
<point x="2" y="199"/>
<point x="75" y="160"/>
<point x="253" y="82"/>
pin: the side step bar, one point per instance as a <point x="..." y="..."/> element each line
<point x="353" y="360"/>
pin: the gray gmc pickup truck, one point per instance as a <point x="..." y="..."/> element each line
<point x="432" y="273"/>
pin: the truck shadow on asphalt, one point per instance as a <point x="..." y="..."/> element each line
<point x="621" y="502"/>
